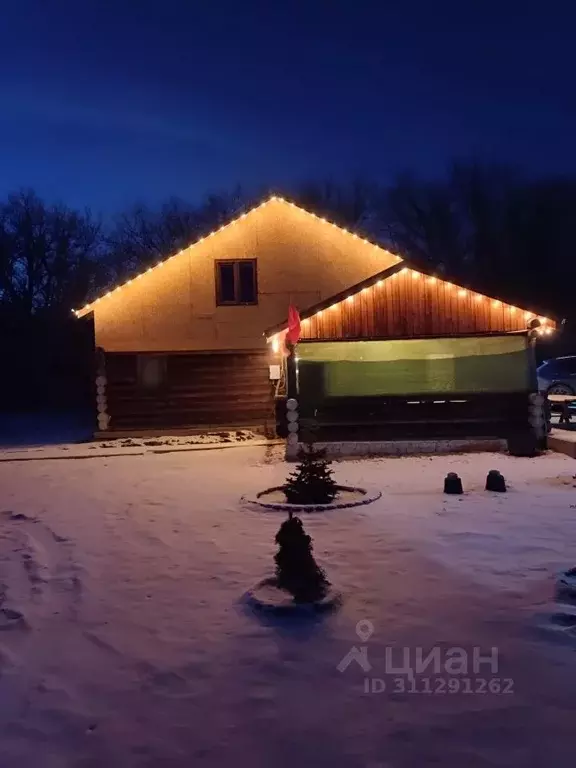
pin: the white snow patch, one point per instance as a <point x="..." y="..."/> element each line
<point x="134" y="649"/>
<point x="133" y="446"/>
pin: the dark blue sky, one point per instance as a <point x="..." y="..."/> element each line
<point x="108" y="101"/>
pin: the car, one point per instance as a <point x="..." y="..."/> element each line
<point x="558" y="376"/>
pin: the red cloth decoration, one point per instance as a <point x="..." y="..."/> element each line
<point x="293" y="332"/>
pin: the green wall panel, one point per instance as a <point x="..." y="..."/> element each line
<point x="415" y="366"/>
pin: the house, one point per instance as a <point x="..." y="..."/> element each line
<point x="182" y="345"/>
<point x="405" y="355"/>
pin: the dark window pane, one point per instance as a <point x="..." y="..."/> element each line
<point x="247" y="282"/>
<point x="226" y="283"/>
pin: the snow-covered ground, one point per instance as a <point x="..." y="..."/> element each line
<point x="130" y="446"/>
<point x="124" y="640"/>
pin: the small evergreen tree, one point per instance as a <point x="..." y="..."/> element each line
<point x="312" y="482"/>
<point x="296" y="570"/>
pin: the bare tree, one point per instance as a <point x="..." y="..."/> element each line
<point x="50" y="256"/>
<point x="491" y="226"/>
<point x="143" y="235"/>
<point x="350" y="205"/>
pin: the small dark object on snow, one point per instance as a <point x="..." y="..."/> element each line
<point x="452" y="483"/>
<point x="17" y="516"/>
<point x="495" y="481"/>
<point x="296" y="570"/>
<point x="9" y="619"/>
<point x="312" y="482"/>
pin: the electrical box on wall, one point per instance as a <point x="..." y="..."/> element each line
<point x="274" y="372"/>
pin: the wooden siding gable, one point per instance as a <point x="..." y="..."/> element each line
<point x="401" y="302"/>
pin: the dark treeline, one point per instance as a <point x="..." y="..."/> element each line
<point x="490" y="227"/>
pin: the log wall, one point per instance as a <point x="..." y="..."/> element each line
<point x="219" y="389"/>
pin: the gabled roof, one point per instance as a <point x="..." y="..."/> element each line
<point x="340" y="301"/>
<point x="273" y="199"/>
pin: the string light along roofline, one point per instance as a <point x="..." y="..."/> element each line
<point x="273" y="199"/>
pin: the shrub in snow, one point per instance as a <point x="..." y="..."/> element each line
<point x="312" y="481"/>
<point x="296" y="570"/>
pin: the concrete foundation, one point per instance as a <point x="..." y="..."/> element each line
<point x="563" y="441"/>
<point x="402" y="447"/>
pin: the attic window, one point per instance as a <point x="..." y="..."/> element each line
<point x="236" y="282"/>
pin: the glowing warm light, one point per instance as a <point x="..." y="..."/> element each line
<point x="305" y="321"/>
<point x="273" y="198"/>
<point x="462" y="292"/>
<point x="275" y="344"/>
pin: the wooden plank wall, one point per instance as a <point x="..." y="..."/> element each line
<point x="200" y="389"/>
<point x="409" y="304"/>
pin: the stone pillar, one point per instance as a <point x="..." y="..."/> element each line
<point x="293" y="418"/>
<point x="537" y="417"/>
<point x="103" y="417"/>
